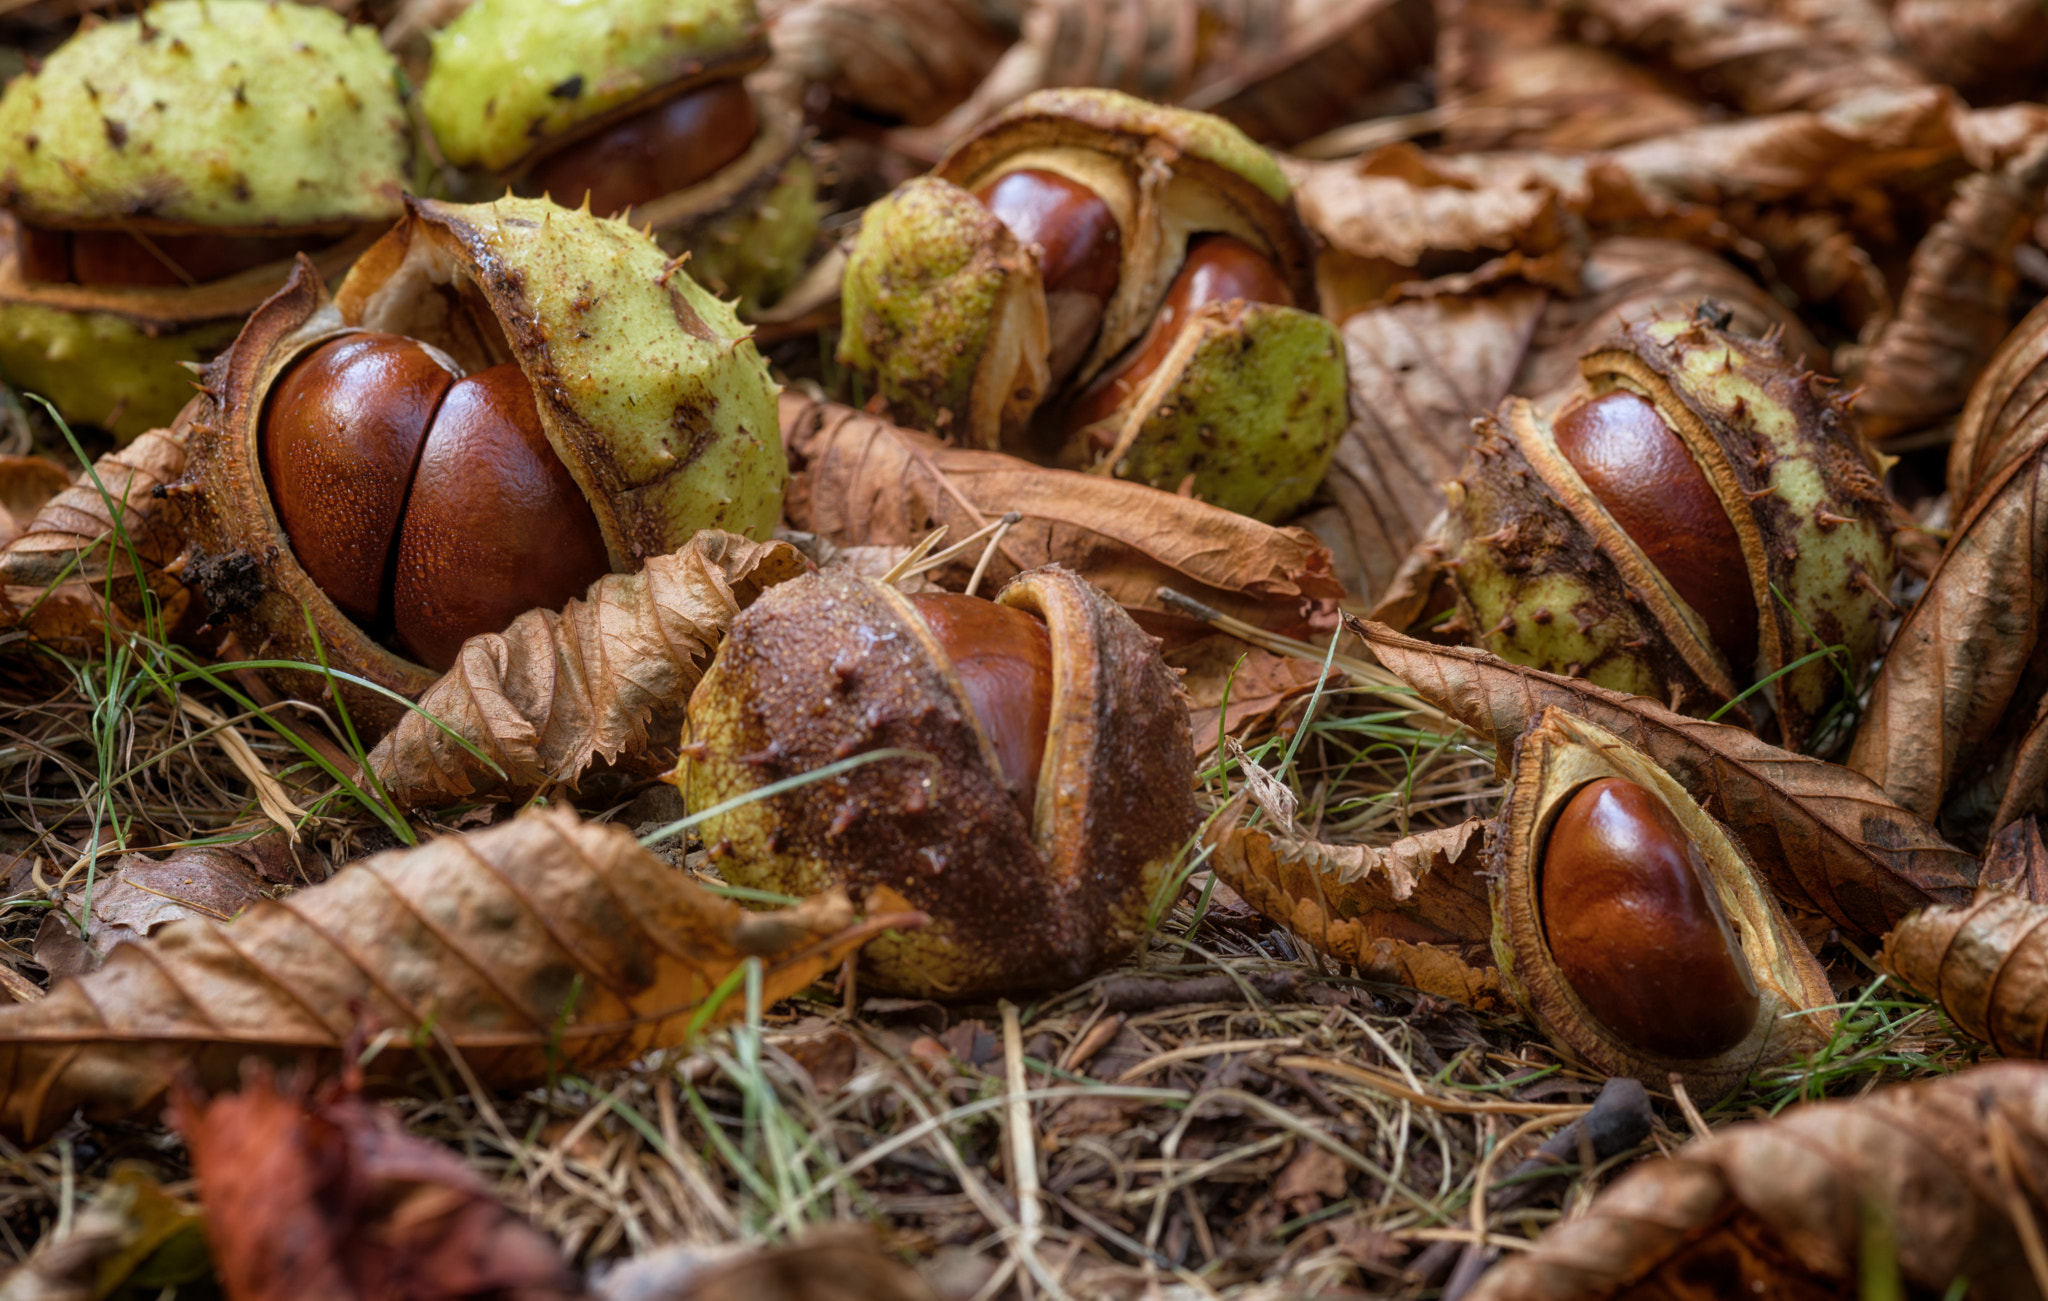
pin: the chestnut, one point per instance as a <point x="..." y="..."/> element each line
<point x="669" y="147"/>
<point x="1637" y="928"/>
<point x="1003" y="658"/>
<point x="1080" y="254"/>
<point x="1218" y="268"/>
<point x="1640" y="471"/>
<point x="430" y="508"/>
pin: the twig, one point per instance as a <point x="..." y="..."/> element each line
<point x="988" y="552"/>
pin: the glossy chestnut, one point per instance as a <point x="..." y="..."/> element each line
<point x="1641" y="472"/>
<point x="1218" y="268"/>
<point x="1080" y="254"/>
<point x="1003" y="658"/>
<point x="339" y="442"/>
<point x="118" y="257"/>
<point x="669" y="147"/>
<point x="1637" y="929"/>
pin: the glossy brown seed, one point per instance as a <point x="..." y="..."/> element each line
<point x="670" y="147"/>
<point x="1637" y="930"/>
<point x="494" y="527"/>
<point x="1640" y="471"/>
<point x="113" y="257"/>
<point x="339" y="441"/>
<point x="1080" y="253"/>
<point x="1003" y="658"/>
<point x="1218" y="267"/>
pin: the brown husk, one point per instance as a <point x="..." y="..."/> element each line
<point x="860" y="481"/>
<point x="542" y="944"/>
<point x="1830" y="844"/>
<point x="606" y="679"/>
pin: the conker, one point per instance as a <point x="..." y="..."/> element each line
<point x="1003" y="658"/>
<point x="1080" y="254"/>
<point x="116" y="257"/>
<point x="429" y="508"/>
<point x="669" y="147"/>
<point x="1638" y="469"/>
<point x="1218" y="268"/>
<point x="1637" y="929"/>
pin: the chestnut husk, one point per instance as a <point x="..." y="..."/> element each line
<point x="1801" y="488"/>
<point x="944" y="309"/>
<point x="645" y="384"/>
<point x="828" y="665"/>
<point x="1556" y="758"/>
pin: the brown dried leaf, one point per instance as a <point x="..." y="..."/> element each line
<point x="1986" y="964"/>
<point x="1990" y="50"/>
<point x="73" y="529"/>
<point x="141" y="896"/>
<point x="327" y="1197"/>
<point x="908" y="59"/>
<point x="1260" y="686"/>
<point x="1959" y="689"/>
<point x="26" y="484"/>
<point x="1826" y="839"/>
<point x="1765" y="57"/>
<point x="2016" y="862"/>
<point x="1947" y="1169"/>
<point x="2004" y="419"/>
<point x="1952" y="312"/>
<point x="1413" y="913"/>
<point x="839" y="1262"/>
<point x="605" y="679"/>
<point x="130" y="1227"/>
<point x="541" y="943"/>
<point x="860" y="481"/>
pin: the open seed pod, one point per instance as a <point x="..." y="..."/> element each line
<point x="641" y="107"/>
<point x="1110" y="284"/>
<point x="1633" y="929"/>
<point x="162" y="171"/>
<point x="1059" y="788"/>
<point x="646" y="416"/>
<point x="1702" y="517"/>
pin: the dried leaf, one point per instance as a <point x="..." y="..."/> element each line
<point x="1259" y="686"/>
<point x="605" y="679"/>
<point x="2017" y="862"/>
<point x="1414" y="912"/>
<point x="912" y="60"/>
<point x="1952" y="313"/>
<point x="26" y="485"/>
<point x="836" y="1263"/>
<point x="1945" y="1173"/>
<point x="1990" y="50"/>
<point x="1986" y="964"/>
<point x="543" y="943"/>
<point x="1826" y="839"/>
<point x="2003" y="420"/>
<point x="861" y="481"/>
<point x="1766" y="57"/>
<point x="131" y="1239"/>
<point x="327" y="1197"/>
<point x="1959" y="691"/>
<point x="141" y="896"/>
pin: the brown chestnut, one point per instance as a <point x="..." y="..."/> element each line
<point x="117" y="257"/>
<point x="1080" y="254"/>
<point x="494" y="525"/>
<point x="1218" y="268"/>
<point x="1637" y="929"/>
<point x="338" y="445"/>
<point x="1003" y="658"/>
<point x="669" y="147"/>
<point x="1642" y="473"/>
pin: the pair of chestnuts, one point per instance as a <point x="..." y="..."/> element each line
<point x="1052" y="790"/>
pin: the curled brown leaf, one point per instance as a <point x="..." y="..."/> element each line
<point x="607" y="678"/>
<point x="1985" y="963"/>
<point x="861" y="481"/>
<point x="1826" y="838"/>
<point x="1941" y="1177"/>
<point x="908" y="59"/>
<point x="541" y="944"/>
<point x="1990" y="50"/>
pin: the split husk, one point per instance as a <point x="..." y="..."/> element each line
<point x="1553" y="761"/>
<point x="604" y="679"/>
<point x="828" y="666"/>
<point x="1833" y="848"/>
<point x="646" y="388"/>
<point x="1937" y="1179"/>
<point x="542" y="944"/>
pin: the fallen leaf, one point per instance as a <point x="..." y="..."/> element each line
<point x="327" y="1197"/>
<point x="1990" y="50"/>
<point x="542" y="943"/>
<point x="1946" y="1170"/>
<point x="1314" y="1175"/>
<point x="839" y="1262"/>
<point x="607" y="678"/>
<point x="132" y="1239"/>
<point x="861" y="481"/>
<point x="911" y="60"/>
<point x="1986" y="964"/>
<point x="26" y="484"/>
<point x="141" y="896"/>
<point x="1826" y="838"/>
<point x="1233" y="687"/>
<point x="2017" y="862"/>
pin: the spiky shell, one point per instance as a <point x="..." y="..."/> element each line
<point x="646" y="385"/>
<point x="827" y="666"/>
<point x="1554" y="759"/>
<point x="227" y="114"/>
<point x="103" y="369"/>
<point x="1803" y="490"/>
